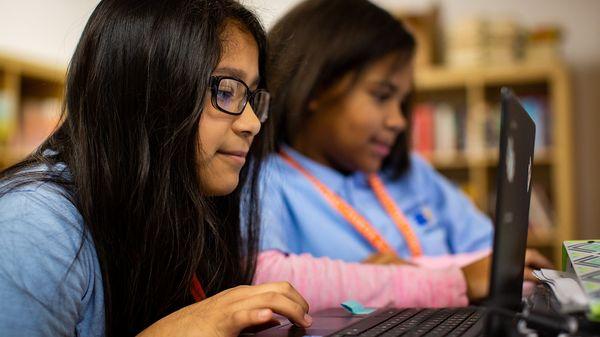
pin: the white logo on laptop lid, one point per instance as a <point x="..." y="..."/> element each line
<point x="529" y="175"/>
<point x="510" y="160"/>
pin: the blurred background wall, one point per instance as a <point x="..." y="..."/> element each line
<point x="47" y="31"/>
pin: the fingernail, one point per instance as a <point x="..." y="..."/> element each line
<point x="308" y="320"/>
<point x="264" y="314"/>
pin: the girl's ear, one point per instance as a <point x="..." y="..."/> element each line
<point x="321" y="99"/>
<point x="313" y="104"/>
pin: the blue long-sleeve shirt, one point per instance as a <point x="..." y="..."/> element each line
<point x="46" y="288"/>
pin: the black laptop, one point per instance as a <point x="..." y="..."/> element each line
<point x="517" y="135"/>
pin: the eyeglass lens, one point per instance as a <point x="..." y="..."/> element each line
<point x="232" y="97"/>
<point x="260" y="104"/>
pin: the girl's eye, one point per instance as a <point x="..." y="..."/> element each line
<point x="225" y="94"/>
<point x="381" y="97"/>
<point x="227" y="99"/>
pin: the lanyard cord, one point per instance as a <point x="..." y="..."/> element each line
<point x="197" y="291"/>
<point x="359" y="223"/>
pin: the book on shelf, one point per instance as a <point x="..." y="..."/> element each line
<point x="445" y="132"/>
<point x="475" y="145"/>
<point x="482" y="42"/>
<point x="537" y="108"/>
<point x="492" y="126"/>
<point x="438" y="129"/>
<point x="422" y="129"/>
<point x="540" y="214"/>
<point x="543" y="43"/>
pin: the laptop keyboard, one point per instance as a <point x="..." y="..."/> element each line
<point x="414" y="323"/>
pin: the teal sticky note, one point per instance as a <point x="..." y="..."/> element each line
<point x="356" y="308"/>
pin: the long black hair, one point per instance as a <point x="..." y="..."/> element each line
<point x="318" y="42"/>
<point x="129" y="138"/>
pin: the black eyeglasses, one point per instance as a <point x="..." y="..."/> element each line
<point x="230" y="95"/>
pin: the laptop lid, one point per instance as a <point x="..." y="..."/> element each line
<point x="517" y="138"/>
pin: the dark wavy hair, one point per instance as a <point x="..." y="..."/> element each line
<point x="129" y="138"/>
<point x="318" y="42"/>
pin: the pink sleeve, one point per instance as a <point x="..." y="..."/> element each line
<point x="454" y="260"/>
<point x="326" y="283"/>
<point x="461" y="260"/>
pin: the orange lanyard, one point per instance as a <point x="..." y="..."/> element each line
<point x="358" y="221"/>
<point x="197" y="291"/>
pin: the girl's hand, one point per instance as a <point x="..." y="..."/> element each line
<point x="477" y="275"/>
<point x="535" y="260"/>
<point x="229" y="312"/>
<point x="386" y="258"/>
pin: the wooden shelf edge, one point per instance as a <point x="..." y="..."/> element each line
<point x="444" y="77"/>
<point x="28" y="67"/>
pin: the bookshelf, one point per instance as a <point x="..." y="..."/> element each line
<point x="30" y="98"/>
<point x="473" y="95"/>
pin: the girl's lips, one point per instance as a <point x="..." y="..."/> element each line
<point x="238" y="157"/>
<point x="235" y="153"/>
<point x="381" y="149"/>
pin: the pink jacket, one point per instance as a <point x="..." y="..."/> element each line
<point x="325" y="283"/>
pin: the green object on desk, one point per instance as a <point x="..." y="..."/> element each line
<point x="582" y="257"/>
<point x="355" y="308"/>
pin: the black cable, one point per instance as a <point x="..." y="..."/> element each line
<point x="539" y="320"/>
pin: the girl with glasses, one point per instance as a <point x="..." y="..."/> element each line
<point x="125" y="220"/>
<point x="345" y="202"/>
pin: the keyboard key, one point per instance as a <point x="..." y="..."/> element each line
<point x="367" y="323"/>
<point x="467" y="324"/>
